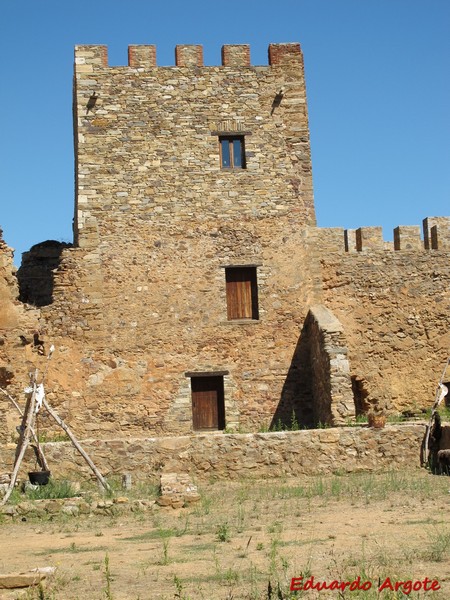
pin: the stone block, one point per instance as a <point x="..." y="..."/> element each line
<point x="440" y="238"/>
<point x="189" y="56"/>
<point x="369" y="238"/>
<point x="234" y="55"/>
<point x="407" y="238"/>
<point x="142" y="56"/>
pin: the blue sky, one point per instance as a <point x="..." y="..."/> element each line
<point x="377" y="83"/>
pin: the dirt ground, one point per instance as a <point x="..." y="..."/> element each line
<point x="242" y="535"/>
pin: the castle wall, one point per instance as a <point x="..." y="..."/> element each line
<point x="17" y="351"/>
<point x="394" y="306"/>
<point x="139" y="310"/>
<point x="127" y="349"/>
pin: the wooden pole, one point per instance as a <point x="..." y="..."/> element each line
<point x="24" y="439"/>
<point x="75" y="442"/>
<point x="40" y="455"/>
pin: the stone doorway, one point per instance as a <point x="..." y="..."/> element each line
<point x="208" y="406"/>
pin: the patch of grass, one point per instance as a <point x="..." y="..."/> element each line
<point x="363" y="486"/>
<point x="108" y="579"/>
<point x="429" y="521"/>
<point x="223" y="532"/>
<point x="152" y="534"/>
<point x="165" y="551"/>
<point x="358" y="420"/>
<point x="72" y="549"/>
<point x="299" y="543"/>
<point x="438" y="548"/>
<point x="279" y="425"/>
<point x="54" y="489"/>
<point x="179" y="593"/>
<point x="206" y="547"/>
<point x="444" y="413"/>
<point x="275" y="527"/>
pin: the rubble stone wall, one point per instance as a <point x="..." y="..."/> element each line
<point x="141" y="301"/>
<point x="18" y="323"/>
<point x="332" y="392"/>
<point x="395" y="309"/>
<point x="260" y="455"/>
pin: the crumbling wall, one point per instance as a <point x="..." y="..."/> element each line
<point x="8" y="287"/>
<point x="35" y="275"/>
<point x="333" y="402"/>
<point x="18" y="325"/>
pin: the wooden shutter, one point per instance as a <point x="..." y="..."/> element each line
<point x="241" y="293"/>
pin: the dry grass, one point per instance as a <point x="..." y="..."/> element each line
<point x="241" y="536"/>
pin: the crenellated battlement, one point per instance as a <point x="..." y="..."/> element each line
<point x="436" y="236"/>
<point x="88" y="58"/>
<point x="150" y="139"/>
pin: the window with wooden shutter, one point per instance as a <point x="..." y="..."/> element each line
<point x="232" y="152"/>
<point x="242" y="293"/>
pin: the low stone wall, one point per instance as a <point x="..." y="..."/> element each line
<point x="75" y="507"/>
<point x="234" y="456"/>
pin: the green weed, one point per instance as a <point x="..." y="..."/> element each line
<point x="223" y="532"/>
<point x="108" y="579"/>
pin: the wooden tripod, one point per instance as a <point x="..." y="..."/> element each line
<point x="27" y="431"/>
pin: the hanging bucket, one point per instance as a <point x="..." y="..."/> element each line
<point x="39" y="477"/>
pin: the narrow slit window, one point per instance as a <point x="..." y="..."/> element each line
<point x="232" y="152"/>
<point x="242" y="293"/>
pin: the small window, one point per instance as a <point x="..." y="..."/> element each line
<point x="232" y="152"/>
<point x="242" y="293"/>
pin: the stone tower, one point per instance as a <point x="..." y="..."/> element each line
<point x="193" y="191"/>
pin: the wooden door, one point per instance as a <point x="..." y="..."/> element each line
<point x="208" y="411"/>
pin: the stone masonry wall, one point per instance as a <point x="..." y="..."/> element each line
<point x="157" y="222"/>
<point x="122" y="355"/>
<point x="261" y="455"/>
<point x="394" y="306"/>
<point x="139" y="305"/>
<point x="18" y="323"/>
<point x="8" y="287"/>
<point x="148" y="149"/>
<point x="333" y="402"/>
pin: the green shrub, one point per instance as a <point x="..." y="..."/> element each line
<point x="54" y="489"/>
